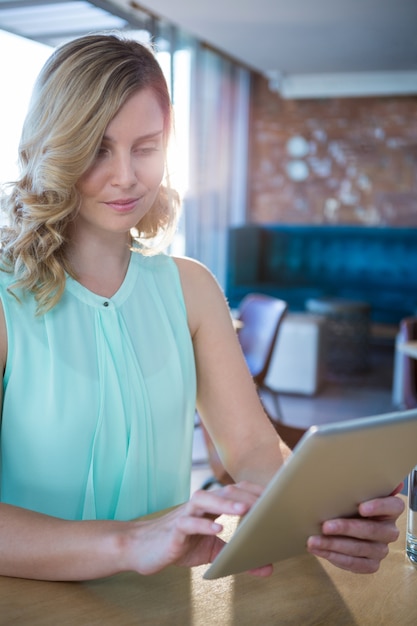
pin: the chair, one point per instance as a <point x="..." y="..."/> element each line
<point x="260" y="318"/>
<point x="408" y="332"/>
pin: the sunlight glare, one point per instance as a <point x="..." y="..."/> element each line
<point x="21" y="61"/>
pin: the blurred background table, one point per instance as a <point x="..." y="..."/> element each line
<point x="347" y="332"/>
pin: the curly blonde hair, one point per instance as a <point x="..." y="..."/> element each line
<point x="78" y="92"/>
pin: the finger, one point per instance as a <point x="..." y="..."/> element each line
<point x="364" y="529"/>
<point x="203" y="551"/>
<point x="390" y="507"/>
<point x="356" y="548"/>
<point x="187" y="525"/>
<point x="246" y="491"/>
<point x="253" y="488"/>
<point x="350" y="562"/>
<point x="262" y="572"/>
<point x="222" y="501"/>
<point x="242" y="493"/>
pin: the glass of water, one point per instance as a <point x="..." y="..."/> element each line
<point x="411" y="547"/>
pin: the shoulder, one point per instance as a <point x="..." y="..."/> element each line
<point x="190" y="269"/>
<point x="202" y="293"/>
<point x="196" y="277"/>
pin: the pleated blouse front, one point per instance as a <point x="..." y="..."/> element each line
<point x="99" y="398"/>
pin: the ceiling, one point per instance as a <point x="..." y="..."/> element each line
<point x="303" y="36"/>
<point x="310" y="45"/>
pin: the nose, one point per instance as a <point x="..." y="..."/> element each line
<point x="123" y="171"/>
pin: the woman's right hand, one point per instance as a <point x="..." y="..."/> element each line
<point x="187" y="535"/>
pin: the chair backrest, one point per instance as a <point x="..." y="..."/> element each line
<point x="408" y="332"/>
<point x="261" y="317"/>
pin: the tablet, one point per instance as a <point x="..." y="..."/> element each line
<point x="333" y="468"/>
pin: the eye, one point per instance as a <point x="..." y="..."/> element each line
<point x="148" y="146"/>
<point x="147" y="149"/>
<point x="101" y="152"/>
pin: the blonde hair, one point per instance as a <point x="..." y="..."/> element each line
<point x="78" y="92"/>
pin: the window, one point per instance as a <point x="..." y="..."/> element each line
<point x="210" y="95"/>
<point x="26" y="57"/>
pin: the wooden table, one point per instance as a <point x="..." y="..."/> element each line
<point x="409" y="348"/>
<point x="302" y="591"/>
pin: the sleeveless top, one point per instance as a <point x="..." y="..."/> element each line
<point x="99" y="398"/>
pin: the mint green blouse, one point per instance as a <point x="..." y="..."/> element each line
<point x="99" y="398"/>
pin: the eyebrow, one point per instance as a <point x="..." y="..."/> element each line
<point x="140" y="139"/>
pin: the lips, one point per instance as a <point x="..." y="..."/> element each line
<point x="123" y="205"/>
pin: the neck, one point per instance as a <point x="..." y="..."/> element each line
<point x="100" y="266"/>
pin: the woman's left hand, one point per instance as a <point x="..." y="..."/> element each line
<point x="360" y="543"/>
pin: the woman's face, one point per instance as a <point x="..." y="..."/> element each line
<point x="123" y="182"/>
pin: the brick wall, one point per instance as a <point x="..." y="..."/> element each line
<point x="356" y="165"/>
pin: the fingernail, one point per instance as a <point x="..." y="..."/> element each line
<point x="330" y="527"/>
<point x="366" y="508"/>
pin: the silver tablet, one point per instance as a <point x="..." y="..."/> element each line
<point x="333" y="468"/>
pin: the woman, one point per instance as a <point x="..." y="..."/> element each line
<point x="107" y="345"/>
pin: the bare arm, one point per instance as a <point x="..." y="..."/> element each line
<point x="46" y="548"/>
<point x="227" y="399"/>
<point x="38" y="546"/>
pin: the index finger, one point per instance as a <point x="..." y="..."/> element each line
<point x="389" y="507"/>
